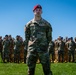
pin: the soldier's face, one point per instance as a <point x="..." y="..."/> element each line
<point x="6" y="38"/>
<point x="0" y="37"/>
<point x="38" y="12"/>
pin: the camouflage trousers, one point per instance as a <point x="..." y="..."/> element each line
<point x="44" y="60"/>
<point x="6" y="56"/>
<point x="1" y="54"/>
<point x="25" y="54"/>
<point x="60" y="55"/>
<point x="16" y="56"/>
<point x="52" y="54"/>
<point x="71" y="54"/>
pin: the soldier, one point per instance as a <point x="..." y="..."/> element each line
<point x="11" y="55"/>
<point x="17" y="48"/>
<point x="21" y="51"/>
<point x="71" y="49"/>
<point x="25" y="51"/>
<point x="66" y="49"/>
<point x="6" y="50"/>
<point x="56" y="50"/>
<point x="1" y="47"/>
<point x="51" y="50"/>
<point x="75" y="48"/>
<point x="61" y="46"/>
<point x="38" y="33"/>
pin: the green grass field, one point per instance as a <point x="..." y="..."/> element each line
<point x="21" y="69"/>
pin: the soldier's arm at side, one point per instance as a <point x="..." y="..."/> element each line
<point x="49" y="36"/>
<point x="49" y="33"/>
<point x="27" y="34"/>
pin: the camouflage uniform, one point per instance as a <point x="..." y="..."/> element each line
<point x="66" y="51"/>
<point x="21" y="51"/>
<point x="61" y="46"/>
<point x="11" y="55"/>
<point x="25" y="51"/>
<point x="6" y="50"/>
<point x="38" y="35"/>
<point x="51" y="50"/>
<point x="71" y="50"/>
<point x="1" y="47"/>
<point x="75" y="48"/>
<point x="17" y="48"/>
<point x="56" y="50"/>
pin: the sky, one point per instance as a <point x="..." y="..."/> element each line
<point x="61" y="14"/>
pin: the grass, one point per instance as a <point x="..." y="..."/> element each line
<point x="64" y="69"/>
<point x="21" y="69"/>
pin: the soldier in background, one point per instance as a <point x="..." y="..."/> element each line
<point x="25" y="51"/>
<point x="51" y="50"/>
<point x="75" y="48"/>
<point x="1" y="47"/>
<point x="61" y="46"/>
<point x="11" y="54"/>
<point x="38" y="34"/>
<point x="6" y="49"/>
<point x="66" y="50"/>
<point x="17" y="48"/>
<point x="21" y="51"/>
<point x="56" y="50"/>
<point x="71" y="50"/>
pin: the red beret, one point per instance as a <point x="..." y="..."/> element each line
<point x="37" y="6"/>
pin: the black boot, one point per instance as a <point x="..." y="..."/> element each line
<point x="31" y="72"/>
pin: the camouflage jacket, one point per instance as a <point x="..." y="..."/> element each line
<point x="1" y="46"/>
<point x="17" y="44"/>
<point x="6" y="44"/>
<point x="71" y="45"/>
<point x="38" y="33"/>
<point x="61" y="45"/>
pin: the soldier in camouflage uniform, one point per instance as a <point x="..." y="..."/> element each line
<point x="11" y="55"/>
<point x="56" y="50"/>
<point x="6" y="49"/>
<point x="21" y="51"/>
<point x="25" y="51"/>
<point x="1" y="47"/>
<point x="75" y="48"/>
<point x="66" y="50"/>
<point x="61" y="46"/>
<point x="17" y="48"/>
<point x="38" y="33"/>
<point x="71" y="50"/>
<point x="51" y="50"/>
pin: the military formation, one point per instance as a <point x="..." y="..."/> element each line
<point x="12" y="50"/>
<point x="63" y="50"/>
